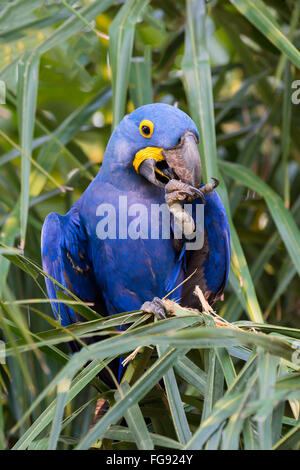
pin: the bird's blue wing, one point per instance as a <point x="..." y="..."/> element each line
<point x="65" y="258"/>
<point x="208" y="267"/>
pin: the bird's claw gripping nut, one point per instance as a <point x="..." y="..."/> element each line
<point x="156" y="307"/>
<point x="177" y="191"/>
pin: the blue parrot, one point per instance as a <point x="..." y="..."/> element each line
<point x="151" y="159"/>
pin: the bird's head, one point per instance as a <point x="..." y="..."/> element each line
<point x="157" y="142"/>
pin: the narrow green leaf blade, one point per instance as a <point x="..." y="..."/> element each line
<point x="177" y="411"/>
<point x="135" y="421"/>
<point x="138" y="390"/>
<point x="260" y="17"/>
<point x="63" y="389"/>
<point x="283" y="219"/>
<point x="28" y="73"/>
<point x="121" y="33"/>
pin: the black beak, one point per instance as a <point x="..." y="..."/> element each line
<point x="148" y="170"/>
<point x="181" y="162"/>
<point x="184" y="159"/>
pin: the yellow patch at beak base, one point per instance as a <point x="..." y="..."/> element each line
<point x="154" y="153"/>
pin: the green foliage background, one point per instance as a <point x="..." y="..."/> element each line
<point x="72" y="69"/>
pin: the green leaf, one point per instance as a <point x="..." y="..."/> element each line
<point x="198" y="85"/>
<point x="286" y="130"/>
<point x="62" y="135"/>
<point x="63" y="389"/>
<point x="10" y="230"/>
<point x="227" y="365"/>
<point x="2" y="440"/>
<point x="214" y="384"/>
<point x="289" y="441"/>
<point x="122" y="434"/>
<point x="46" y="417"/>
<point x="138" y="390"/>
<point x="140" y="84"/>
<point x="221" y="412"/>
<point x="73" y="25"/>
<point x="286" y="275"/>
<point x="27" y="96"/>
<point x="267" y="367"/>
<point x="282" y="217"/>
<point x="191" y="374"/>
<point x="224" y="408"/>
<point x="261" y="18"/>
<point x="121" y="34"/>
<point x="135" y="421"/>
<point x="176" y="407"/>
<point x="16" y="12"/>
<point x="231" y="433"/>
<point x="240" y="268"/>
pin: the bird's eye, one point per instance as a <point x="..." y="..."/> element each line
<point x="146" y="128"/>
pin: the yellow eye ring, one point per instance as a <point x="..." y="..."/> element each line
<point x="146" y="128"/>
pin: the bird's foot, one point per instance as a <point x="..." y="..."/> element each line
<point x="209" y="187"/>
<point x="156" y="307"/>
<point x="176" y="191"/>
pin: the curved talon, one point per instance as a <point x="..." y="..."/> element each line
<point x="200" y="193"/>
<point x="156" y="307"/>
<point x="216" y="182"/>
<point x="209" y="187"/>
<point x="178" y="191"/>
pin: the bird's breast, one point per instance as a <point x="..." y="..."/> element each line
<point x="130" y="246"/>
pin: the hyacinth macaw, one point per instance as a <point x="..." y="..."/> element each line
<point x="151" y="157"/>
